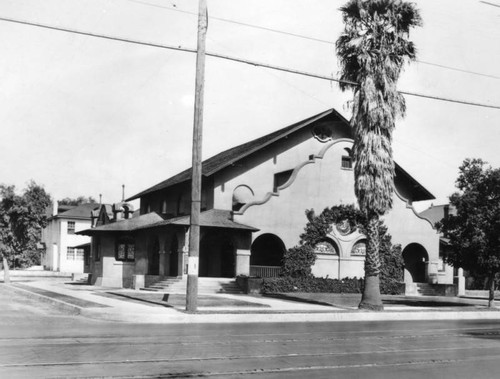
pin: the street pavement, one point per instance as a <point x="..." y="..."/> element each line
<point x="142" y="307"/>
<point x="54" y="329"/>
<point x="38" y="341"/>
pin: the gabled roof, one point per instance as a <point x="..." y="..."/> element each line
<point x="81" y="211"/>
<point x="229" y="157"/>
<point x="215" y="218"/>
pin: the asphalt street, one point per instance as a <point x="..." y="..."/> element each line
<point x="37" y="341"/>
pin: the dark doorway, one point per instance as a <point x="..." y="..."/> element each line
<point x="154" y="258"/>
<point x="415" y="257"/>
<point x="173" y="262"/>
<point x="217" y="255"/>
<point x="267" y="250"/>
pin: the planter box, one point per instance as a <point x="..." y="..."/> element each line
<point x="249" y="285"/>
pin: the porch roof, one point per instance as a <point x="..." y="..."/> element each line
<point x="216" y="218"/>
<point x="128" y="225"/>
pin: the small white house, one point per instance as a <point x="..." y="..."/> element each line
<point x="64" y="250"/>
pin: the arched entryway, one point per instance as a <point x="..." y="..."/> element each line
<point x="415" y="257"/>
<point x="173" y="259"/>
<point x="267" y="250"/>
<point x="154" y="257"/>
<point x="217" y="255"/>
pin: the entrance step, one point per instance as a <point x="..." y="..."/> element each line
<point x="426" y="289"/>
<point x="205" y="286"/>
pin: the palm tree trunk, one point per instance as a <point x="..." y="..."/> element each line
<point x="6" y="275"/>
<point x="371" y="298"/>
<point x="491" y="297"/>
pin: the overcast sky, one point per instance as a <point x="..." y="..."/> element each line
<point x="82" y="115"/>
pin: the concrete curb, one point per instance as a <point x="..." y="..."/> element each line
<point x="175" y="316"/>
<point x="223" y="318"/>
<point x="58" y="304"/>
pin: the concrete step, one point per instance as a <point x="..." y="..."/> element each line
<point x="426" y="289"/>
<point x="205" y="286"/>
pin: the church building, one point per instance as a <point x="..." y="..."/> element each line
<point x="254" y="198"/>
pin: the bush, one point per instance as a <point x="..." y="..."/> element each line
<point x="297" y="262"/>
<point x="311" y="284"/>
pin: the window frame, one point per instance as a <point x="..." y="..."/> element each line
<point x="71" y="230"/>
<point x="128" y="242"/>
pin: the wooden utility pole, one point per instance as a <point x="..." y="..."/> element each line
<point x="194" y="223"/>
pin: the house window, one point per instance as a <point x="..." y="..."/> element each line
<point x="73" y="254"/>
<point x="346" y="163"/>
<point x="359" y="248"/>
<point x="125" y="249"/>
<point x="98" y="250"/>
<point x="71" y="227"/>
<point x="326" y="247"/>
<point x="281" y="178"/>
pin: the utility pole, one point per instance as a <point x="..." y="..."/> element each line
<point x="194" y="223"/>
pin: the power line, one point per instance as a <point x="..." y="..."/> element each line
<point x="234" y="59"/>
<point x="175" y="9"/>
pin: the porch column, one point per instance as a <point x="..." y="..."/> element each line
<point x="163" y="258"/>
<point x="183" y="254"/>
<point x="432" y="272"/>
<point x="242" y="262"/>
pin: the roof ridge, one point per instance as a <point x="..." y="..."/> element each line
<point x="206" y="164"/>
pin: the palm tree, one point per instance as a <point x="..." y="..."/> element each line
<point x="372" y="51"/>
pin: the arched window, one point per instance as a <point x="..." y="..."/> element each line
<point x="347" y="160"/>
<point x="359" y="248"/>
<point x="125" y="249"/>
<point x="241" y="196"/>
<point x="327" y="246"/>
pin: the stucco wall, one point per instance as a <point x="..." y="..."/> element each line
<point x="318" y="185"/>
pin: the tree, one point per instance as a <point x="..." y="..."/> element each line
<point x="372" y="51"/>
<point x="22" y="217"/>
<point x="474" y="231"/>
<point x="77" y="201"/>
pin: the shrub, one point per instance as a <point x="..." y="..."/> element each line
<point x="311" y="284"/>
<point x="297" y="261"/>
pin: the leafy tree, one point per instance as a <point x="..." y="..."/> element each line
<point x="372" y="51"/>
<point x="474" y="231"/>
<point x="77" y="201"/>
<point x="22" y="217"/>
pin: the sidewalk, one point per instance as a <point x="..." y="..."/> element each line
<point x="126" y="305"/>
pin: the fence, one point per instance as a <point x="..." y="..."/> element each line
<point x="265" y="271"/>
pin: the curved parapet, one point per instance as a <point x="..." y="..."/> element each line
<point x="312" y="159"/>
<point x="409" y="205"/>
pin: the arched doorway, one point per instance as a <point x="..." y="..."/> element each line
<point x="415" y="257"/>
<point x="267" y="250"/>
<point x="173" y="261"/>
<point x="154" y="258"/>
<point x="217" y="255"/>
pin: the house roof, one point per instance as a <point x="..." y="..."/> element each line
<point x="127" y="225"/>
<point x="215" y="218"/>
<point x="436" y="213"/>
<point x="81" y="211"/>
<point x="230" y="156"/>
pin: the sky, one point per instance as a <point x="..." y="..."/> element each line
<point x="83" y="116"/>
